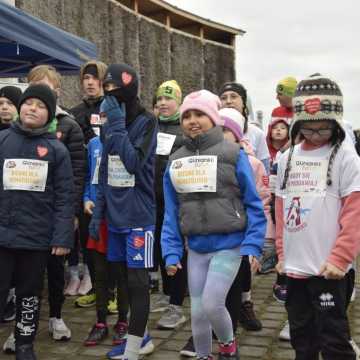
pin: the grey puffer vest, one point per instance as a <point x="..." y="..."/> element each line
<point x="220" y="212"/>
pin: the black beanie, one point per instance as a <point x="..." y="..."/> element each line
<point x="12" y="93"/>
<point x="91" y="69"/>
<point x="45" y="94"/>
<point x="125" y="78"/>
<point x="236" y="87"/>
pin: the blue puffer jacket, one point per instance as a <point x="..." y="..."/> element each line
<point x="250" y="240"/>
<point x="37" y="220"/>
<point x="129" y="207"/>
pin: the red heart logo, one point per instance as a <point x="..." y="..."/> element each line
<point x="126" y="78"/>
<point x="42" y="150"/>
<point x="312" y="106"/>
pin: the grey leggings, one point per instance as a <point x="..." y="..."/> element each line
<point x="210" y="278"/>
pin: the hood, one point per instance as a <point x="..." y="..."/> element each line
<point x="275" y="120"/>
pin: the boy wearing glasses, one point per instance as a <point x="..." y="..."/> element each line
<point x="317" y="239"/>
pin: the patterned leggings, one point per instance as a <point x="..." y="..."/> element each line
<point x="210" y="278"/>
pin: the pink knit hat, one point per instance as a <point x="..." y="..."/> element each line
<point x="205" y="101"/>
<point x="234" y="121"/>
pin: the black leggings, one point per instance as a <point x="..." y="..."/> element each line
<point x="24" y="268"/>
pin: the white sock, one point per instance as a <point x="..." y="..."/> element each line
<point x="74" y="271"/>
<point x="133" y="344"/>
<point x="246" y="296"/>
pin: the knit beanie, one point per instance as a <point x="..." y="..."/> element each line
<point x="91" y="69"/>
<point x="233" y="121"/>
<point x="170" y="89"/>
<point x="12" y="93"/>
<point x="317" y="98"/>
<point x="45" y="94"/>
<point x="287" y="86"/>
<point x="125" y="78"/>
<point x="236" y="87"/>
<point x="204" y="101"/>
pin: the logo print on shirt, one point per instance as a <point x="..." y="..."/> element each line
<point x="42" y="150"/>
<point x="326" y="300"/>
<point x="126" y="78"/>
<point x="294" y="221"/>
<point x="139" y="241"/>
<point x="138" y="257"/>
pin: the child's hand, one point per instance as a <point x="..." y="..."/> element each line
<point x="331" y="272"/>
<point x="88" y="207"/>
<point x="254" y="263"/>
<point x="59" y="251"/>
<point x="280" y="267"/>
<point x="171" y="270"/>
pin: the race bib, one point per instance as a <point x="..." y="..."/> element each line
<point x="117" y="173"/>
<point x="95" y="179"/>
<point x="272" y="183"/>
<point x="165" y="142"/>
<point x="194" y="174"/>
<point x="25" y="174"/>
<point x="307" y="177"/>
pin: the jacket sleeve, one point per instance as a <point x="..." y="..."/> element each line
<point x="86" y="196"/>
<point x="133" y="156"/>
<point x="171" y="240"/>
<point x="78" y="162"/>
<point x="256" y="222"/>
<point x="63" y="234"/>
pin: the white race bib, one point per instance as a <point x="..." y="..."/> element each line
<point x="117" y="173"/>
<point x="307" y="177"/>
<point x="25" y="174"/>
<point x="194" y="174"/>
<point x="95" y="179"/>
<point x="165" y="142"/>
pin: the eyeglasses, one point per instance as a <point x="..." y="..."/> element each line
<point x="320" y="132"/>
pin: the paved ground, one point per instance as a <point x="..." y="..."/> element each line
<point x="263" y="345"/>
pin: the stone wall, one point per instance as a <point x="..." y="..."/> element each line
<point x="122" y="36"/>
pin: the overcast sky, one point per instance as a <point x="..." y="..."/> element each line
<point x="294" y="38"/>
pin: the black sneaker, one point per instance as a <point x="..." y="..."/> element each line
<point x="25" y="352"/>
<point x="10" y="311"/>
<point x="188" y="350"/>
<point x="247" y="317"/>
<point x="97" y="334"/>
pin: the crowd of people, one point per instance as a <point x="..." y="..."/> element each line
<point x="191" y="196"/>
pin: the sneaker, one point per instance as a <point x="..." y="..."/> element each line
<point x="268" y="263"/>
<point x="247" y="317"/>
<point x="147" y="347"/>
<point x="98" y="333"/>
<point x="112" y="307"/>
<point x="188" y="350"/>
<point x="172" y="318"/>
<point x="9" y="344"/>
<point x="86" y="301"/>
<point x="229" y="351"/>
<point x="285" y="332"/>
<point x="120" y="329"/>
<point x="58" y="330"/>
<point x="10" y="311"/>
<point x="160" y="304"/>
<point x="356" y="348"/>
<point x="25" y="352"/>
<point x="85" y="285"/>
<point x="72" y="287"/>
<point x="154" y="286"/>
<point x="280" y="293"/>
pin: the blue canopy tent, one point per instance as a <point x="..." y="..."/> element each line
<point x="26" y="41"/>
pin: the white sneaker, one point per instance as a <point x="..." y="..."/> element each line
<point x="356" y="348"/>
<point x="285" y="332"/>
<point x="85" y="285"/>
<point x="159" y="303"/>
<point x="9" y="344"/>
<point x="58" y="330"/>
<point x="353" y="295"/>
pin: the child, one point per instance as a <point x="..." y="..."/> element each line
<point x="211" y="199"/>
<point x="37" y="176"/>
<point x="317" y="236"/>
<point x="233" y="131"/>
<point x="9" y="99"/>
<point x="125" y="195"/>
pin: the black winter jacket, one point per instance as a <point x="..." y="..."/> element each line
<point x="70" y="134"/>
<point x="82" y="114"/>
<point x="36" y="220"/>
